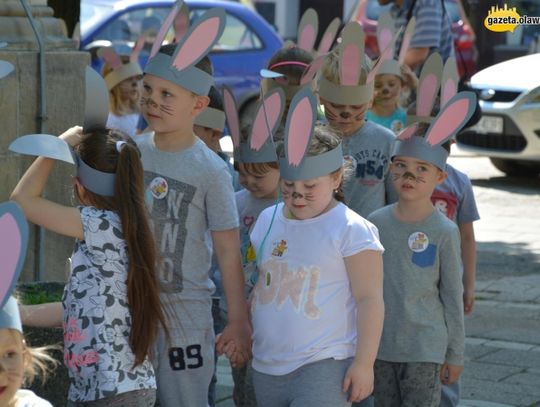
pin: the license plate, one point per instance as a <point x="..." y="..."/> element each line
<point x="489" y="124"/>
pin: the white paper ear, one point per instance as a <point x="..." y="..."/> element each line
<point x="312" y="69"/>
<point x="450" y="78"/>
<point x="299" y="126"/>
<point x="5" y="69"/>
<point x="231" y="113"/>
<point x="165" y="27"/>
<point x="329" y="36"/>
<point x="200" y="38"/>
<point x="134" y="56"/>
<point x="351" y="54"/>
<point x="385" y="31"/>
<point x="13" y="245"/>
<point x="409" y="32"/>
<point x="308" y="29"/>
<point x="109" y="55"/>
<point x="181" y="23"/>
<point x="267" y="118"/>
<point x="428" y="85"/>
<point x="451" y="118"/>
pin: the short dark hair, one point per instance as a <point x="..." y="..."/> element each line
<point x="204" y="64"/>
<point x="216" y="101"/>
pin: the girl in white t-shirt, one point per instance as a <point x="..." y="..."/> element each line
<point x="111" y="305"/>
<point x="317" y="307"/>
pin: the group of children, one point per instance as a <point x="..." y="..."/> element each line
<point x="340" y="277"/>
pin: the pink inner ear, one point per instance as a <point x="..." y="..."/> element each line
<point x="260" y="131"/>
<point x="232" y="117"/>
<point x="312" y="69"/>
<point x="198" y="43"/>
<point x="408" y="132"/>
<point x="181" y="25"/>
<point x="385" y="37"/>
<point x="10" y="250"/>
<point x="163" y="30"/>
<point x="111" y="57"/>
<point x="426" y="95"/>
<point x="326" y="43"/>
<point x="134" y="57"/>
<point x="448" y="122"/>
<point x="299" y="132"/>
<point x="448" y="92"/>
<point x="350" y="65"/>
<point x="386" y="54"/>
<point x="307" y="38"/>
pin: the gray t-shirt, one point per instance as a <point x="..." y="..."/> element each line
<point x="423" y="293"/>
<point x="188" y="192"/>
<point x="369" y="188"/>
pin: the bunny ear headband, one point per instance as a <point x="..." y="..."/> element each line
<point x="451" y="119"/>
<point x="46" y="145"/>
<point x="194" y="45"/>
<point x="428" y="87"/>
<point x="385" y="33"/>
<point x="351" y="58"/>
<point x="13" y="245"/>
<point x="121" y="71"/>
<point x="297" y="165"/>
<point x="212" y="118"/>
<point x="259" y="147"/>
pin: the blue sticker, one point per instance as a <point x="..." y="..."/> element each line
<point x="425" y="258"/>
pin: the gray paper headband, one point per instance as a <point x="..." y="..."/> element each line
<point x="121" y="71"/>
<point x="211" y="118"/>
<point x="297" y="165"/>
<point x="192" y="47"/>
<point x="451" y="119"/>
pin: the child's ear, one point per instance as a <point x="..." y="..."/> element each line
<point x="338" y="177"/>
<point x="201" y="102"/>
<point x="442" y="175"/>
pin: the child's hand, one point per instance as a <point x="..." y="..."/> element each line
<point x="235" y="341"/>
<point x="358" y="381"/>
<point x="409" y="77"/>
<point x="468" y="301"/>
<point x="450" y="373"/>
<point x="73" y="136"/>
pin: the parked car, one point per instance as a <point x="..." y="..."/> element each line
<point x="245" y="47"/>
<point x="509" y="129"/>
<point x="367" y="14"/>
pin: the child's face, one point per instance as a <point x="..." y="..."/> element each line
<point x="168" y="107"/>
<point x="264" y="186"/>
<point x="310" y="198"/>
<point x="209" y="136"/>
<point x="387" y="90"/>
<point x="130" y="89"/>
<point x="11" y="366"/>
<point x="415" y="179"/>
<point x="345" y="118"/>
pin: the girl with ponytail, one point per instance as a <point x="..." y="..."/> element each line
<point x="111" y="306"/>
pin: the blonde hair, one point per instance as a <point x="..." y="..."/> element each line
<point x="117" y="105"/>
<point x="330" y="69"/>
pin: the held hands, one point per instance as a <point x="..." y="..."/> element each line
<point x="73" y="136"/>
<point x="235" y="342"/>
<point x="358" y="381"/>
<point x="450" y="373"/>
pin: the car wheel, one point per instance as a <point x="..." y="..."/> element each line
<point x="515" y="168"/>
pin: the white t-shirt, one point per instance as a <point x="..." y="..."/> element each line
<point x="27" y="398"/>
<point x="126" y="123"/>
<point x="303" y="309"/>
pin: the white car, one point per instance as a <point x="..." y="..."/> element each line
<point x="509" y="130"/>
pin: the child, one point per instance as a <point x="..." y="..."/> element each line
<point x="124" y="84"/>
<point x="256" y="160"/>
<point x="190" y="192"/>
<point x="111" y="302"/>
<point x="423" y="336"/>
<point x="345" y="89"/>
<point x="320" y="278"/>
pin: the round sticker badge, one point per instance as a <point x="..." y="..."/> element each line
<point x="418" y="242"/>
<point x="159" y="188"/>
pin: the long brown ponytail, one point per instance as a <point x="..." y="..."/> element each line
<point x="101" y="152"/>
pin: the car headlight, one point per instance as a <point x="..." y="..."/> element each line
<point x="533" y="96"/>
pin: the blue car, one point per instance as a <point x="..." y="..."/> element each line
<point x="245" y="47"/>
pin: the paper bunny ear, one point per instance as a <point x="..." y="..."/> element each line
<point x="43" y="145"/>
<point x="312" y="69"/>
<point x="408" y="132"/>
<point x="5" y="69"/>
<point x="308" y="29"/>
<point x="96" y="107"/>
<point x="351" y="54"/>
<point x="409" y="32"/>
<point x="449" y="84"/>
<point x="231" y="113"/>
<point x="165" y="27"/>
<point x="299" y="126"/>
<point x="385" y="31"/>
<point x="329" y="36"/>
<point x="13" y="245"/>
<point x="200" y="38"/>
<point x="267" y="118"/>
<point x="136" y="52"/>
<point x="110" y="56"/>
<point x="428" y="85"/>
<point x="385" y="59"/>
<point x="451" y="118"/>
<point x="181" y="23"/>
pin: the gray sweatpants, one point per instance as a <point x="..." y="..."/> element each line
<point x="135" y="398"/>
<point x="184" y="367"/>
<point x="316" y="384"/>
<point x="407" y="384"/>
